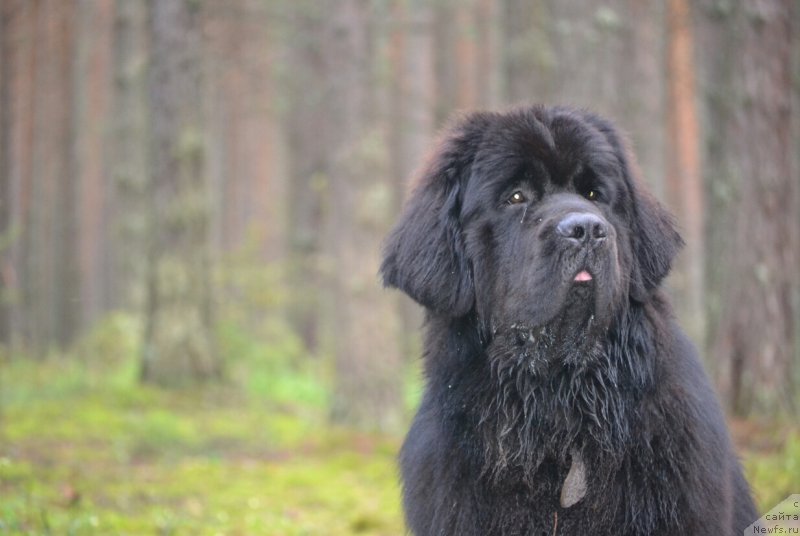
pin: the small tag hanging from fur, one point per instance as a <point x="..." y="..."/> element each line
<point x="574" y="487"/>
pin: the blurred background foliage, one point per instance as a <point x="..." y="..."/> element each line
<point x="193" y="195"/>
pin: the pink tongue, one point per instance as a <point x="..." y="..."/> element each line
<point x="583" y="276"/>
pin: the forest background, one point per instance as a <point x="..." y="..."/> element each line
<point x="193" y="195"/>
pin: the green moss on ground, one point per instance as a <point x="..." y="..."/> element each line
<point x="85" y="449"/>
<point x="79" y="455"/>
<point x="771" y="457"/>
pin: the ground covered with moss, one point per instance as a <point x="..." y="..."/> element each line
<point x="85" y="449"/>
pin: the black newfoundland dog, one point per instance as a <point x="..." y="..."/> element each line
<point x="561" y="396"/>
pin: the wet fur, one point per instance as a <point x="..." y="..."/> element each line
<point x="606" y="374"/>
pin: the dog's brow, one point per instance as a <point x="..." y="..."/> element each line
<point x="576" y="172"/>
<point x="542" y="136"/>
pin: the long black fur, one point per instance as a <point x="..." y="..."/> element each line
<point x="526" y="370"/>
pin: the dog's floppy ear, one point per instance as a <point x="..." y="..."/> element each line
<point x="424" y="255"/>
<point x="654" y="238"/>
<point x="655" y="243"/>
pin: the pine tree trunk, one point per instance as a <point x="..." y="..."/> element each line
<point x="489" y="38"/>
<point x="685" y="191"/>
<point x="7" y="11"/>
<point x="66" y="269"/>
<point x="410" y="122"/>
<point x="309" y="137"/>
<point x="179" y="343"/>
<point x="92" y="92"/>
<point x="22" y="249"/>
<point x="367" y="361"/>
<point x="752" y="188"/>
<point x="529" y="59"/>
<point x="128" y="165"/>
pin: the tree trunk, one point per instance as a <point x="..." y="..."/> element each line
<point x="487" y="28"/>
<point x="445" y="78"/>
<point x="92" y="92"/>
<point x="179" y="343"/>
<point x="129" y="174"/>
<point x="466" y="56"/>
<point x="752" y="188"/>
<point x="411" y="121"/>
<point x="64" y="224"/>
<point x="48" y="259"/>
<point x="684" y="183"/>
<point x="642" y="109"/>
<point x="367" y="363"/>
<point x="45" y="191"/>
<point x="529" y="58"/>
<point x="7" y="12"/>
<point x="796" y="169"/>
<point x="309" y="137"/>
<point x="22" y="249"/>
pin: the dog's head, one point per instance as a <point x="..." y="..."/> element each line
<point x="524" y="216"/>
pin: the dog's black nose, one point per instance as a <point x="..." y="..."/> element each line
<point x="583" y="228"/>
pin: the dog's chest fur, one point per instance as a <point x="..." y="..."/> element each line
<point x="549" y="425"/>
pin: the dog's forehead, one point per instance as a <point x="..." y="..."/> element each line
<point x="561" y="142"/>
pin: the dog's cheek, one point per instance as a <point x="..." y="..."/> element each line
<point x="611" y="295"/>
<point x="502" y="272"/>
<point x="487" y="262"/>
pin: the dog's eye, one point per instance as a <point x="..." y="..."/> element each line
<point x="516" y="198"/>
<point x="592" y="195"/>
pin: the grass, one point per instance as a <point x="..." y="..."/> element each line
<point x="770" y="453"/>
<point x="85" y="449"/>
